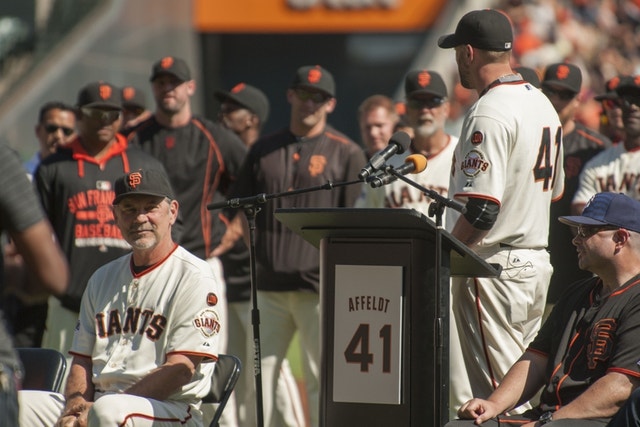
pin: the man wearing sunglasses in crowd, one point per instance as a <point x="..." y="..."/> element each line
<point x="562" y="84"/>
<point x="75" y="189"/>
<point x="585" y="356"/>
<point x="56" y="127"/>
<point x="427" y="109"/>
<point x="307" y="153"/>
<point x="616" y="168"/>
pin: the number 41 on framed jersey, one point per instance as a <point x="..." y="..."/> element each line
<point x="367" y="359"/>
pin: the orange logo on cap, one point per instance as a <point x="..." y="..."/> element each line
<point x="105" y="91"/>
<point x="314" y="75"/>
<point x="135" y="178"/>
<point x="613" y="83"/>
<point x="562" y="72"/>
<point x="636" y="80"/>
<point x="128" y="92"/>
<point x="424" y="78"/>
<point x="166" y="62"/>
<point x="238" y="88"/>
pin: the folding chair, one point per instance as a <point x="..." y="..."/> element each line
<point x="44" y="368"/>
<point x="225" y="377"/>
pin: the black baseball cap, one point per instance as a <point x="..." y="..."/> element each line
<point x="314" y="77"/>
<point x="248" y="96"/>
<point x="563" y="75"/>
<point x="171" y="65"/>
<point x="486" y="29"/>
<point x="628" y="85"/>
<point x="143" y="182"/>
<point x="616" y="209"/>
<point x="528" y="74"/>
<point x="100" y="94"/>
<point x="610" y="86"/>
<point x="133" y="97"/>
<point x="426" y="82"/>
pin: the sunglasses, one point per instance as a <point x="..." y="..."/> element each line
<point x="564" y="95"/>
<point x="53" y="128"/>
<point x="316" y="97"/>
<point x="420" y="103"/>
<point x="587" y="231"/>
<point x="102" y="115"/>
<point x="136" y="111"/>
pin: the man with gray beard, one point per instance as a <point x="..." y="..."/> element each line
<point x="427" y="111"/>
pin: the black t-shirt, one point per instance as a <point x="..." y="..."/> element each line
<point x="202" y="160"/>
<point x="283" y="162"/>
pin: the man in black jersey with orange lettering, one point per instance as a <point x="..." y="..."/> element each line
<point x="585" y="357"/>
<point x="76" y="191"/>
<point x="307" y="153"/>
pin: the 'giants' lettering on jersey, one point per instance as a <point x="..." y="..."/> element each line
<point x="404" y="197"/>
<point x="474" y="163"/>
<point x="136" y="321"/>
<point x="630" y="182"/>
<point x="601" y="342"/>
<point x="207" y="322"/>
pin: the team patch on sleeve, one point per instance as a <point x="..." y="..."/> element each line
<point x="212" y="299"/>
<point x="474" y="163"/>
<point x="207" y="322"/>
<point x="477" y="138"/>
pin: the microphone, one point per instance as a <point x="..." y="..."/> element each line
<point x="415" y="163"/>
<point x="398" y="144"/>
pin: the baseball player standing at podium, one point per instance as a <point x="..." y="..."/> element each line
<point x="149" y="321"/>
<point x="507" y="168"/>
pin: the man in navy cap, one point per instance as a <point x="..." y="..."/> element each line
<point x="585" y="357"/>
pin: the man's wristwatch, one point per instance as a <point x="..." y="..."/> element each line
<point x="546" y="417"/>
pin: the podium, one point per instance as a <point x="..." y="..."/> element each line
<point x="384" y="337"/>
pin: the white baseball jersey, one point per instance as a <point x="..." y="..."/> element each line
<point x="510" y="152"/>
<point x="129" y="322"/>
<point x="615" y="169"/>
<point x="399" y="194"/>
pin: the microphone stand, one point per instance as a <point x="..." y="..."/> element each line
<point x="436" y="209"/>
<point x="251" y="207"/>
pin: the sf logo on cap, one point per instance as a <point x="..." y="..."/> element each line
<point x="105" y="91"/>
<point x="135" y="178"/>
<point x="314" y="75"/>
<point x="424" y="78"/>
<point x="166" y="62"/>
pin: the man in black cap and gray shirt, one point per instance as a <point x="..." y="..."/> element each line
<point x="562" y="83"/>
<point x="244" y="109"/>
<point x="307" y="153"/>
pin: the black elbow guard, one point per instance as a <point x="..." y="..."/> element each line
<point x="481" y="213"/>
